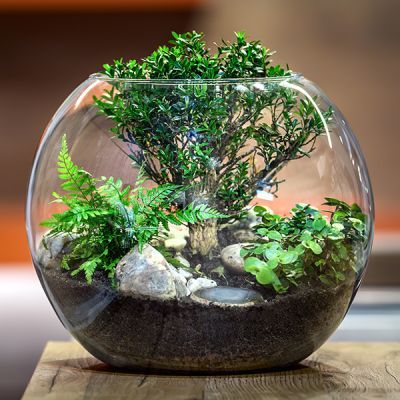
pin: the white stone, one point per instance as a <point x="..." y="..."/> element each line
<point x="180" y="283"/>
<point x="185" y="273"/>
<point x="259" y="86"/>
<point x="241" y="88"/>
<point x="177" y="231"/>
<point x="226" y="295"/>
<point x="176" y="244"/>
<point x="200" y="283"/>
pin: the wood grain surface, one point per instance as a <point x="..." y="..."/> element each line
<point x="336" y="371"/>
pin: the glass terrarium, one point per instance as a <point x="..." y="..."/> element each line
<point x="202" y="224"/>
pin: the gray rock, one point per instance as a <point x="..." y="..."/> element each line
<point x="180" y="283"/>
<point x="252" y="217"/>
<point x="52" y="248"/>
<point x="245" y="235"/>
<point x="228" y="295"/>
<point x="200" y="283"/>
<point x="231" y="226"/>
<point x="149" y="274"/>
<point x="230" y="257"/>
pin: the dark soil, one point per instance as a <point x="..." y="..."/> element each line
<point x="130" y="332"/>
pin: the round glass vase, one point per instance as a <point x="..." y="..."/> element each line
<point x="199" y="225"/>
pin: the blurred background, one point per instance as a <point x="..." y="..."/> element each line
<point x="350" y="49"/>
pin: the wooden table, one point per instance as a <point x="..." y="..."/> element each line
<point x="336" y="371"/>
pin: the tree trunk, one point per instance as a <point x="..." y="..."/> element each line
<point x="203" y="237"/>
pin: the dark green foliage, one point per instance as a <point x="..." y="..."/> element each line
<point x="108" y="219"/>
<point x="245" y="59"/>
<point x="306" y="246"/>
<point x="188" y="57"/>
<point x="207" y="137"/>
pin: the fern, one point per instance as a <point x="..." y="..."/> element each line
<point x="108" y="219"/>
<point x="77" y="182"/>
<point x="88" y="267"/>
<point x="160" y="195"/>
<point x="193" y="214"/>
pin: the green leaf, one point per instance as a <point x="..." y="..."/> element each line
<point x="244" y="252"/>
<point x="288" y="257"/>
<point x="274" y="235"/>
<point x="220" y="271"/>
<point x="259" y="209"/>
<point x="319" y="224"/>
<point x="272" y="249"/>
<point x="273" y="263"/>
<point x="325" y="279"/>
<point x="306" y="236"/>
<point x="340" y="276"/>
<point x="266" y="276"/>
<point x="338" y="226"/>
<point x="320" y="263"/>
<point x="315" y="247"/>
<point x="357" y="224"/>
<point x="262" y="231"/>
<point x="342" y="251"/>
<point x="253" y="264"/>
<point x="335" y="257"/>
<point x="299" y="249"/>
<point x="339" y="216"/>
<point x="330" y="201"/>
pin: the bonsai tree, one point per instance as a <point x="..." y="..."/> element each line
<point x="208" y="139"/>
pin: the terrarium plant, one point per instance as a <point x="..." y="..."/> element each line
<point x="105" y="219"/>
<point x="208" y="140"/>
<point x="182" y="238"/>
<point x="306" y="246"/>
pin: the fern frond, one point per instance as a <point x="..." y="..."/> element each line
<point x="88" y="267"/>
<point x="113" y="191"/>
<point x="193" y="214"/>
<point x="76" y="181"/>
<point x="157" y="196"/>
<point x="76" y="218"/>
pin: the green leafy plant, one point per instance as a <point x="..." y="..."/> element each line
<point x="306" y="246"/>
<point x="207" y="138"/>
<point x="107" y="219"/>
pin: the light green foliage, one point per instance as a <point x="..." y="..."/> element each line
<point x="306" y="246"/>
<point x="207" y="137"/>
<point x="109" y="218"/>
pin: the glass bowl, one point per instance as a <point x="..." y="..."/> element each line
<point x="233" y="234"/>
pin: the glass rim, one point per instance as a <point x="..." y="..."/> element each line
<point x="195" y="81"/>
